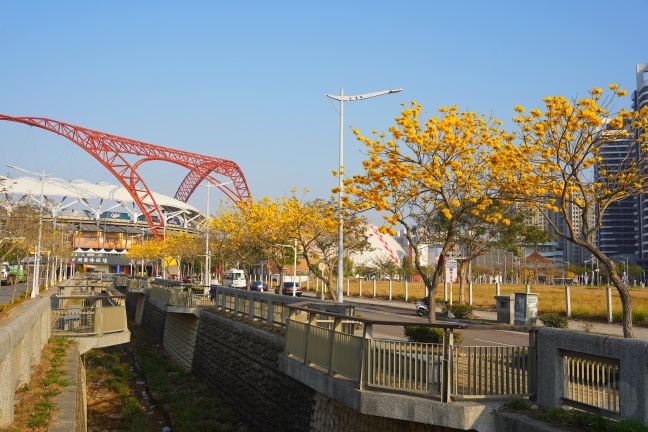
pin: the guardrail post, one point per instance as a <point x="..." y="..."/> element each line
<point x="533" y="365"/>
<point x="270" y="319"/>
<point x="312" y="322"/>
<point x="223" y="300"/>
<point x="337" y="327"/>
<point x="251" y="307"/>
<point x="448" y="347"/>
<point x="98" y="313"/>
<point x="366" y="330"/>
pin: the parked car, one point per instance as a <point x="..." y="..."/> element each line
<point x="287" y="288"/>
<point x="258" y="286"/>
<point x="189" y="279"/>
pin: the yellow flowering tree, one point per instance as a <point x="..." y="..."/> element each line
<point x="179" y="246"/>
<point x="231" y="238"/>
<point x="315" y="225"/>
<point x="258" y="230"/>
<point x="148" y="250"/>
<point x="559" y="168"/>
<point x="438" y="166"/>
<point x="269" y="222"/>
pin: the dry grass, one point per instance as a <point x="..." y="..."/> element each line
<point x="586" y="302"/>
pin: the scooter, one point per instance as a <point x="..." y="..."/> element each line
<point x="422" y="307"/>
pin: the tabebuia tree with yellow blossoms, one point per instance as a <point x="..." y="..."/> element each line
<point x="557" y="164"/>
<point x="314" y="224"/>
<point x="426" y="168"/>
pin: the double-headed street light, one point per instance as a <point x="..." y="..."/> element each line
<point x="207" y="272"/>
<point x="341" y="98"/>
<point x="294" y="290"/>
<point x="35" y="285"/>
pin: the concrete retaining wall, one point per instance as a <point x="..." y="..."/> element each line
<point x="23" y="335"/>
<point x="633" y="367"/>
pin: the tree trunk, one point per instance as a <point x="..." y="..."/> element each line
<point x="463" y="269"/>
<point x="626" y="303"/>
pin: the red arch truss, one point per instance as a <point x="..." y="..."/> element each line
<point x="110" y="151"/>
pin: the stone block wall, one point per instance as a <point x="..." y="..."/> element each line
<point x="154" y="318"/>
<point x="241" y="363"/>
<point x="330" y="415"/>
<point x="180" y="338"/>
<point x="135" y="306"/>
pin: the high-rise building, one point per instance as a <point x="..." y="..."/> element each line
<point x="624" y="232"/>
<point x="640" y="100"/>
<point x="619" y="234"/>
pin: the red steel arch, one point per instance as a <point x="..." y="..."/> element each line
<point x="110" y="151"/>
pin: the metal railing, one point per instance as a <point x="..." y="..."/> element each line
<point x="443" y="370"/>
<point x="408" y="366"/>
<point x="590" y="382"/>
<point x="88" y="308"/>
<point x="482" y="371"/>
<point x="268" y="307"/>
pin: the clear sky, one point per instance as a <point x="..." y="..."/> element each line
<point x="245" y="80"/>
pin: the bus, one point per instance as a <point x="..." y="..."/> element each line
<point x="17" y="273"/>
<point x="234" y="279"/>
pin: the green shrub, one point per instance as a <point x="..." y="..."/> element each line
<point x="429" y="335"/>
<point x="458" y="310"/>
<point x="517" y="404"/>
<point x="554" y="320"/>
<point x="399" y="297"/>
<point x="639" y="316"/>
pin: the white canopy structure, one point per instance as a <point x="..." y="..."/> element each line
<point x="98" y="198"/>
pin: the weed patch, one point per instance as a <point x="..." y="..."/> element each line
<point x="572" y="419"/>
<point x="36" y="408"/>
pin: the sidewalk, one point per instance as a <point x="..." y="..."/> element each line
<point x="614" y="329"/>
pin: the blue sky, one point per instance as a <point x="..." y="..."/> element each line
<point x="246" y="80"/>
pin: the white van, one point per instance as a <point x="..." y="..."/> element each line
<point x="234" y="279"/>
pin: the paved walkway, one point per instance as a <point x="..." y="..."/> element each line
<point x="614" y="329"/>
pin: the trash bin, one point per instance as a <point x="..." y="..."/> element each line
<point x="504" y="306"/>
<point x="526" y="308"/>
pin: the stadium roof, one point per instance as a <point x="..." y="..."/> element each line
<point x="83" y="191"/>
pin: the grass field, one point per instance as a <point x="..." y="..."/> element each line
<point x="586" y="302"/>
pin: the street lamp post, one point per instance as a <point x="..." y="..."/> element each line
<point x="206" y="275"/>
<point x="294" y="248"/>
<point x="35" y="285"/>
<point x="341" y="98"/>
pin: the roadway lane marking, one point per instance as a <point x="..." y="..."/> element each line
<point x="493" y="342"/>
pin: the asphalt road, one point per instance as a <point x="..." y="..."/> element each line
<point x="6" y="292"/>
<point x="406" y="313"/>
